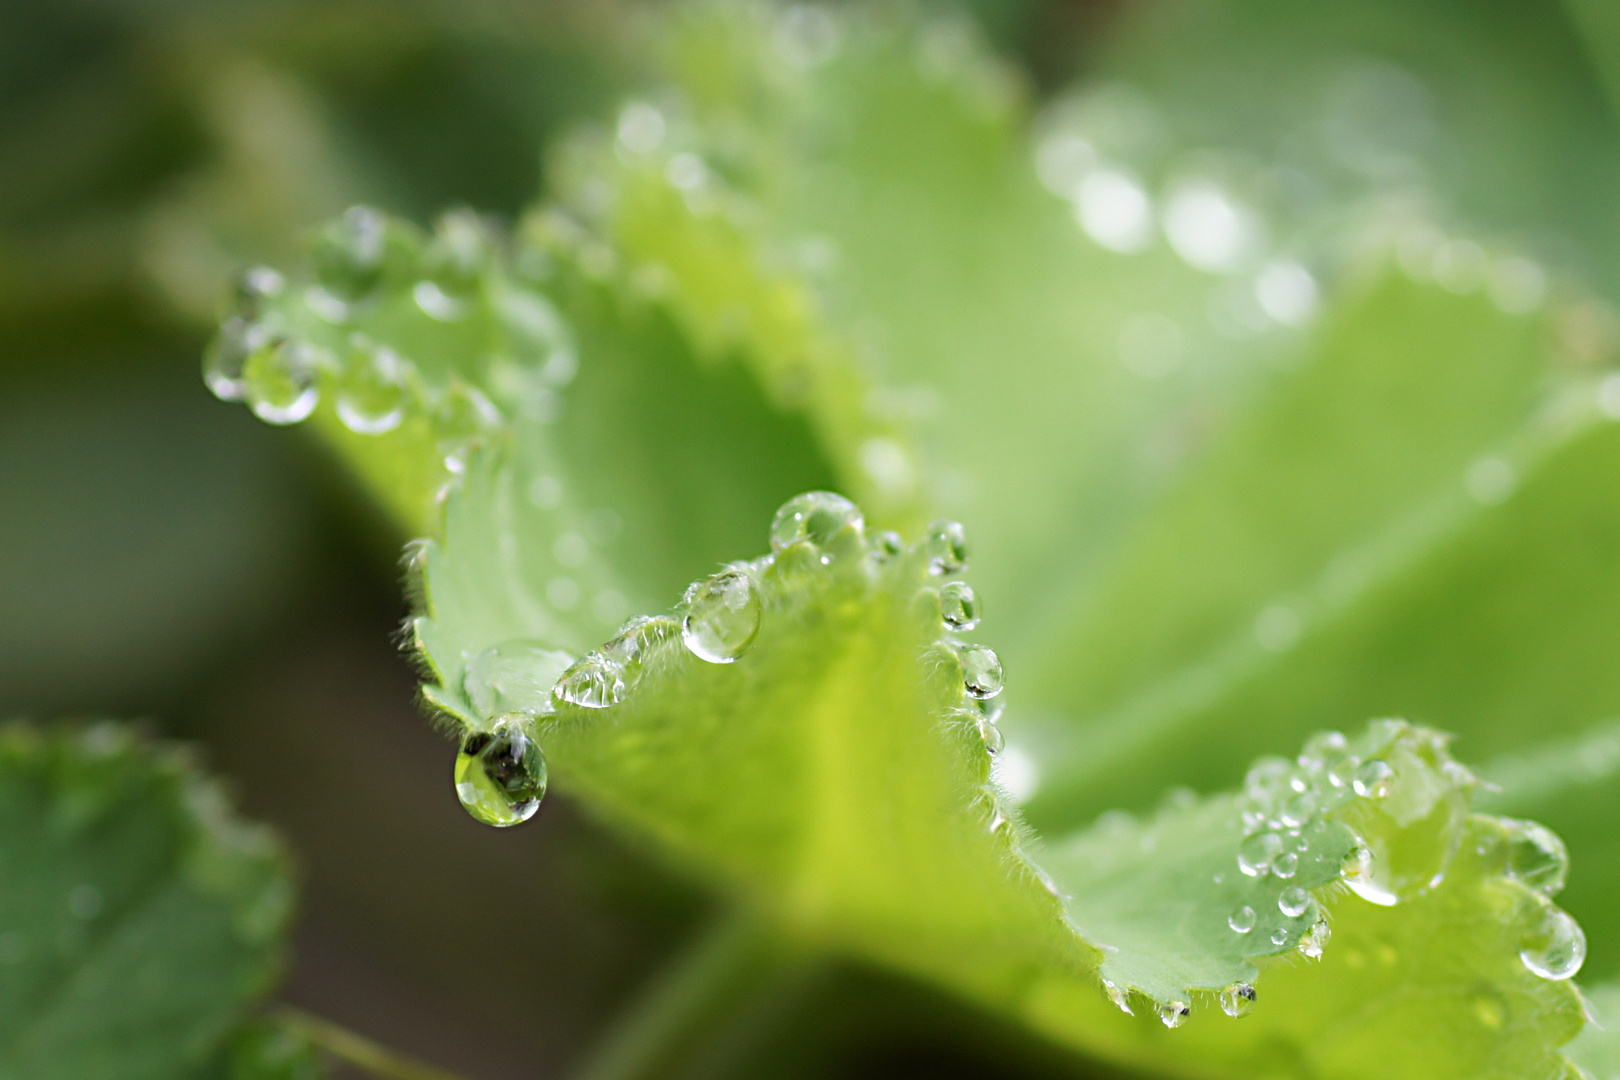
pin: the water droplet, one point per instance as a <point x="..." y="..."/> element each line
<point x="638" y="639"/>
<point x="999" y="821"/>
<point x="722" y="617"/>
<point x="1172" y="1014"/>
<point x="1256" y="852"/>
<point x="256" y="286"/>
<point x="1118" y="996"/>
<point x="1279" y="936"/>
<point x="959" y="605"/>
<point x="1373" y="779"/>
<point x="993" y="739"/>
<point x="1238" y="999"/>
<point x="593" y="682"/>
<point x="1293" y="902"/>
<point x="1316" y="938"/>
<point x="1297" y="810"/>
<point x="454" y="263"/>
<point x="513" y="677"/>
<point x="1285" y="865"/>
<point x="279" y="381"/>
<point x="816" y="516"/>
<point x="887" y="545"/>
<point x="1242" y="919"/>
<point x="348" y="261"/>
<point x="463" y="419"/>
<point x="1556" y="947"/>
<point x="1536" y="856"/>
<point x="981" y="670"/>
<point x="501" y="773"/>
<point x="947" y="547"/>
<point x="227" y="355"/>
<point x="371" y="393"/>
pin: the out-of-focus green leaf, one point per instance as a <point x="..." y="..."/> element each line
<point x="1597" y="1048"/>
<point x="141" y="918"/>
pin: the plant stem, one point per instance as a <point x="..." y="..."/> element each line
<point x="723" y="971"/>
<point x="360" y="1051"/>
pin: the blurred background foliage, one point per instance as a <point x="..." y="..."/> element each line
<point x="162" y="556"/>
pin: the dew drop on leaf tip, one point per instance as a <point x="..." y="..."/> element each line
<point x="593" y="682"/>
<point x="959" y="605"/>
<point x="722" y="617"/>
<point x="1555" y="948"/>
<point x="500" y="774"/>
<point x="1118" y="996"/>
<point x="981" y="670"/>
<point x="816" y="516"/>
<point x="1238" y="999"/>
<point x="947" y="547"/>
<point x="1172" y="1014"/>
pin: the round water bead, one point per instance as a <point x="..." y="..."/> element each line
<point x="1172" y="1014"/>
<point x="1373" y="779"/>
<point x="513" y="677"/>
<point x="947" y="547"/>
<point x="593" y="682"/>
<point x="1556" y="947"/>
<point x="637" y="639"/>
<point x="1242" y="919"/>
<point x="1285" y="865"/>
<point x="227" y="355"/>
<point x="1294" y="901"/>
<point x="279" y="381"/>
<point x="501" y="773"/>
<point x="454" y="260"/>
<point x="981" y="670"/>
<point x="1256" y="852"/>
<point x="815" y="516"/>
<point x="1316" y="938"/>
<point x="722" y="617"/>
<point x="1238" y="999"/>
<point x="348" y="257"/>
<point x="371" y="389"/>
<point x="959" y="605"/>
<point x="994" y="741"/>
<point x="1536" y="856"/>
<point x="886" y="545"/>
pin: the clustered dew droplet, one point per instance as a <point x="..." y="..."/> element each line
<point x="1238" y="999"/>
<point x="1555" y="947"/>
<point x="959" y="605"/>
<point x="816" y="517"/>
<point x="501" y="773"/>
<point x="946" y="545"/>
<point x="592" y="682"/>
<point x="1172" y="1014"/>
<point x="981" y="670"/>
<point x="722" y="617"/>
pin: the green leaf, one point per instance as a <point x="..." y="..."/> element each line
<point x="141" y="918"/>
<point x="1597" y="1048"/>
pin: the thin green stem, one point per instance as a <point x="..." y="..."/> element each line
<point x="728" y="967"/>
<point x="360" y="1051"/>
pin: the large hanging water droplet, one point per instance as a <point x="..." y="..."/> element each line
<point x="1238" y="999"/>
<point x="1172" y="1014"/>
<point x="279" y="381"/>
<point x="816" y="516"/>
<point x="501" y="773"/>
<point x="1556" y="947"/>
<point x="513" y="677"/>
<point x="1293" y="902"/>
<point x="722" y="617"/>
<point x="1536" y="856"/>
<point x="593" y="682"/>
<point x="981" y="670"/>
<point x="1314" y="943"/>
<point x="227" y="356"/>
<point x="1256" y="852"/>
<point x="1242" y="920"/>
<point x="371" y="390"/>
<point x="947" y="547"/>
<point x="959" y="605"/>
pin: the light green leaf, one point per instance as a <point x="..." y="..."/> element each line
<point x="141" y="918"/>
<point x="1597" y="1048"/>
